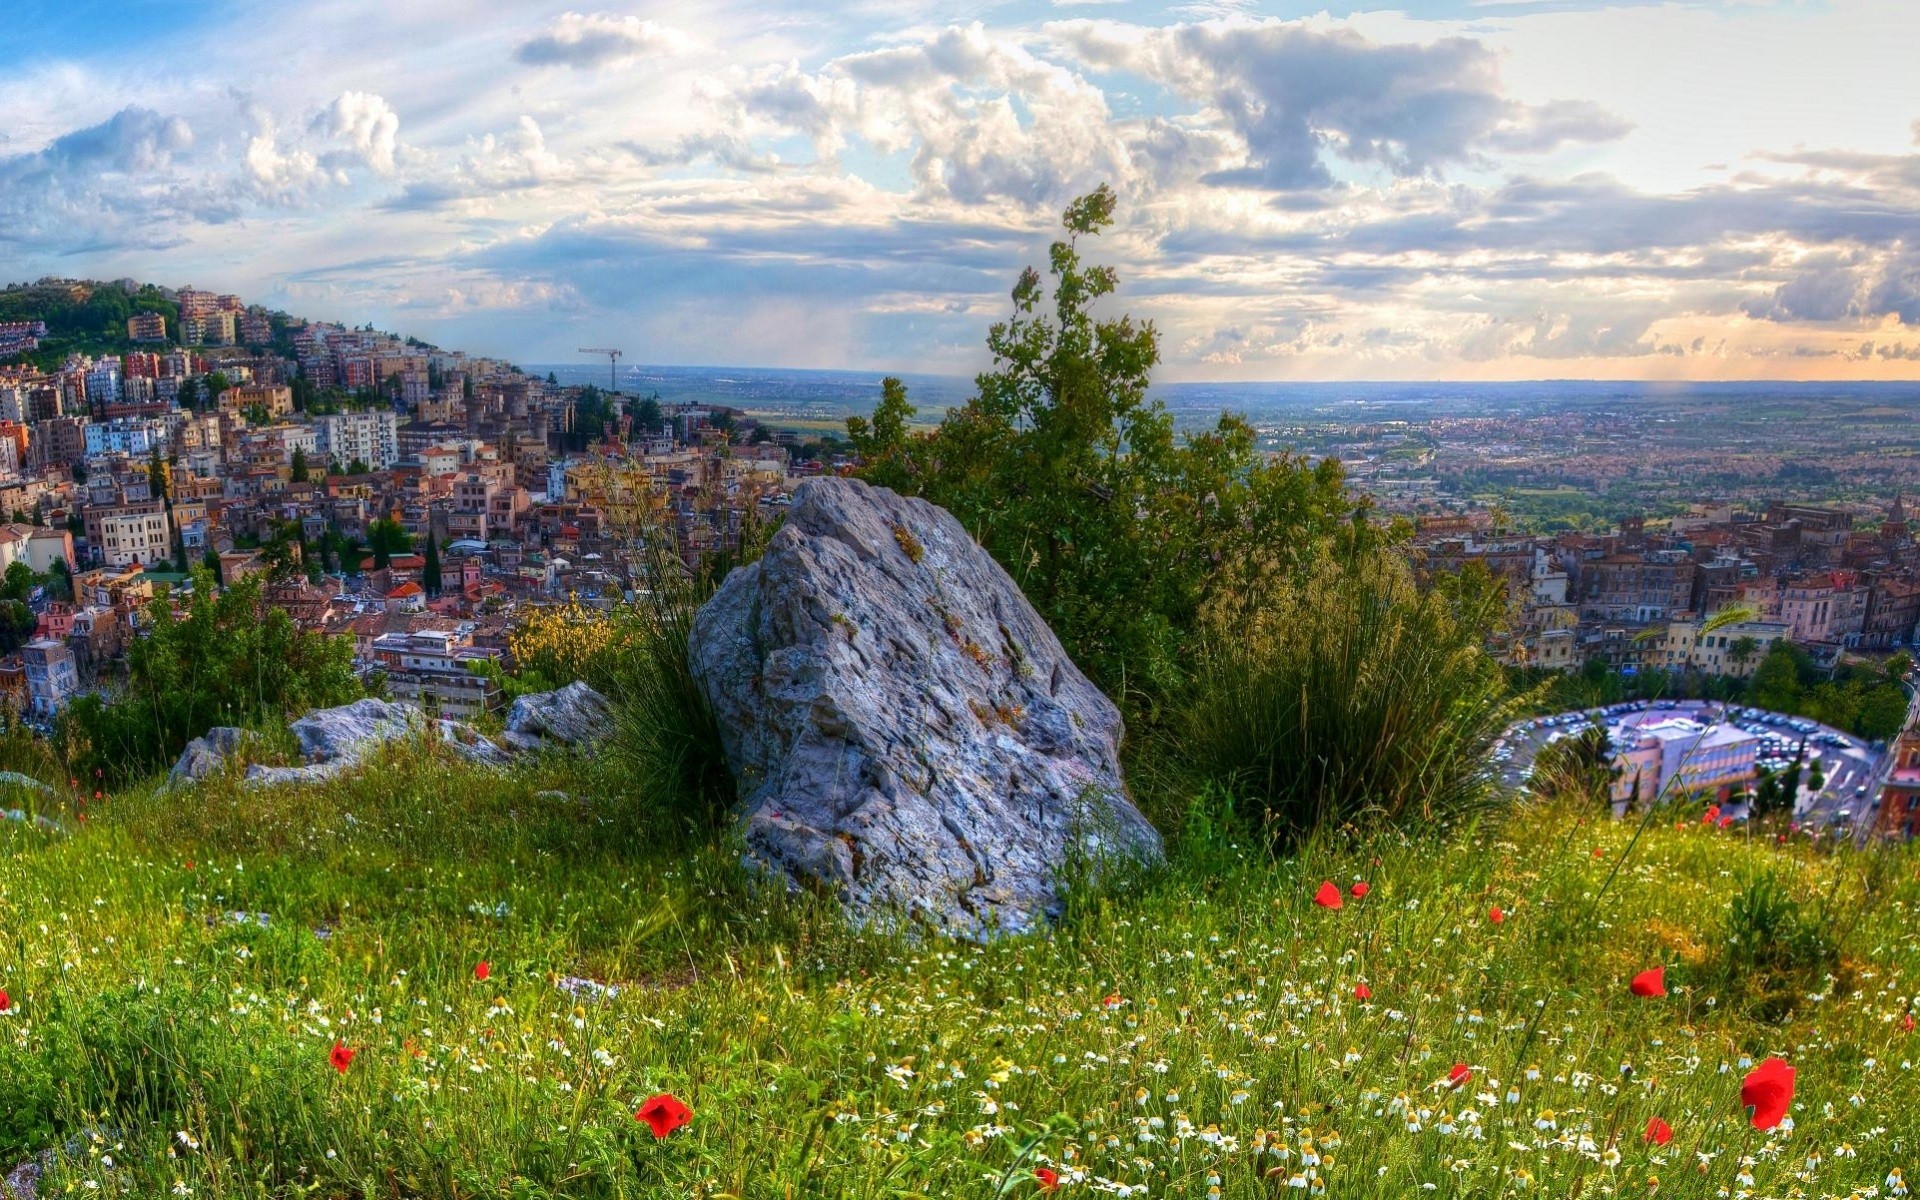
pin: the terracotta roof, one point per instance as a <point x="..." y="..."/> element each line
<point x="405" y="590"/>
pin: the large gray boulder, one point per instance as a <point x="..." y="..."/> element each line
<point x="905" y="730"/>
<point x="574" y="715"/>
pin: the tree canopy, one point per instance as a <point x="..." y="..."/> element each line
<point x="1076" y="481"/>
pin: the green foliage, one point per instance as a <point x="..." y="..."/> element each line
<point x="1063" y="469"/>
<point x="1774" y="948"/>
<point x="430" y="573"/>
<point x="386" y="537"/>
<point x="647" y="416"/>
<point x="1580" y="766"/>
<point x="882" y="442"/>
<point x="1341" y="693"/>
<point x="17" y="623"/>
<point x="230" y="660"/>
<point x="665" y="736"/>
<point x="822" y="1061"/>
<point x="299" y="465"/>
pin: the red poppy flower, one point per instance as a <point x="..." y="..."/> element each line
<point x="1906" y="1022"/>
<point x="1112" y="1000"/>
<point x="1048" y="1177"/>
<point x="6" y="1002"/>
<point x="1650" y="982"/>
<point x="1726" y="822"/>
<point x="663" y="1114"/>
<point x="1458" y="1077"/>
<point x="341" y="1057"/>
<point x="188" y="864"/>
<point x="1360" y="890"/>
<point x="482" y="969"/>
<point x="1496" y="916"/>
<point x="1711" y="815"/>
<point x="1658" y="1131"/>
<point x="1362" y="992"/>
<point x="1768" y="1090"/>
<point x="1599" y="851"/>
<point x="1328" y="896"/>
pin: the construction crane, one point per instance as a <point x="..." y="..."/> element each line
<point x="613" y="362"/>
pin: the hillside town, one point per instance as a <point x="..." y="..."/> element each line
<point x="1641" y="596"/>
<point x="410" y="498"/>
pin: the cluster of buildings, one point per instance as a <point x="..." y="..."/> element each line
<point x="129" y="468"/>
<point x="1644" y="598"/>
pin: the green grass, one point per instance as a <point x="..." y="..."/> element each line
<point x="1192" y="1030"/>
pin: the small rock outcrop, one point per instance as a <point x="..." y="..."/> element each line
<point x="905" y="730"/>
<point x="206" y="756"/>
<point x="575" y="715"/>
<point x="333" y="740"/>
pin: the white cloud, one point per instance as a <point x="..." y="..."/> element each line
<point x="1382" y="195"/>
<point x="599" y="40"/>
<point x="366" y="125"/>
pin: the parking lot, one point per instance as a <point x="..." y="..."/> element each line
<point x="1848" y="795"/>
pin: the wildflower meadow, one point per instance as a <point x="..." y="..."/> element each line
<point x="429" y="979"/>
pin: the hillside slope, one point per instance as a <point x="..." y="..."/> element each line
<point x="180" y="972"/>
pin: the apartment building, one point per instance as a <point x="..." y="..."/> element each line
<point x="52" y="677"/>
<point x="136" y="537"/>
<point x="432" y="668"/>
<point x="370" y="437"/>
<point x="146" y="327"/>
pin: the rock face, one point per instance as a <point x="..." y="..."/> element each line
<point x="205" y="756"/>
<point x="905" y="730"/>
<point x="333" y="740"/>
<point x="575" y="715"/>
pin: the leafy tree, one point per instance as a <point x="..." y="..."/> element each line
<point x="648" y="417"/>
<point x="386" y="538"/>
<point x="882" y="442"/>
<point x="216" y="384"/>
<point x="1063" y="469"/>
<point x="357" y="467"/>
<point x="17" y="623"/>
<point x="299" y="464"/>
<point x="282" y="552"/>
<point x="18" y="582"/>
<point x="1883" y="712"/>
<point x="60" y="582"/>
<point x="211" y="563"/>
<point x="1776" y="684"/>
<point x="230" y="660"/>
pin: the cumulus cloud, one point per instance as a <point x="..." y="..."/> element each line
<point x="982" y="116"/>
<point x="103" y="185"/>
<point x="598" y="40"/>
<point x="365" y="124"/>
<point x="1296" y="94"/>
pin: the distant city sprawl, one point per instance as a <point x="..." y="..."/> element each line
<point x="415" y="500"/>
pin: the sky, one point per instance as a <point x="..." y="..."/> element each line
<point x="1438" y="189"/>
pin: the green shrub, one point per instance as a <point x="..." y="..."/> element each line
<point x="1774" y="950"/>
<point x="1340" y="692"/>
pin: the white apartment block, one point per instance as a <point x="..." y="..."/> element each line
<point x="134" y="437"/>
<point x="103" y="381"/>
<point x="371" y="437"/>
<point x="129" y="538"/>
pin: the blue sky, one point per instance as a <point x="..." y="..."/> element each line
<point x="1432" y="189"/>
